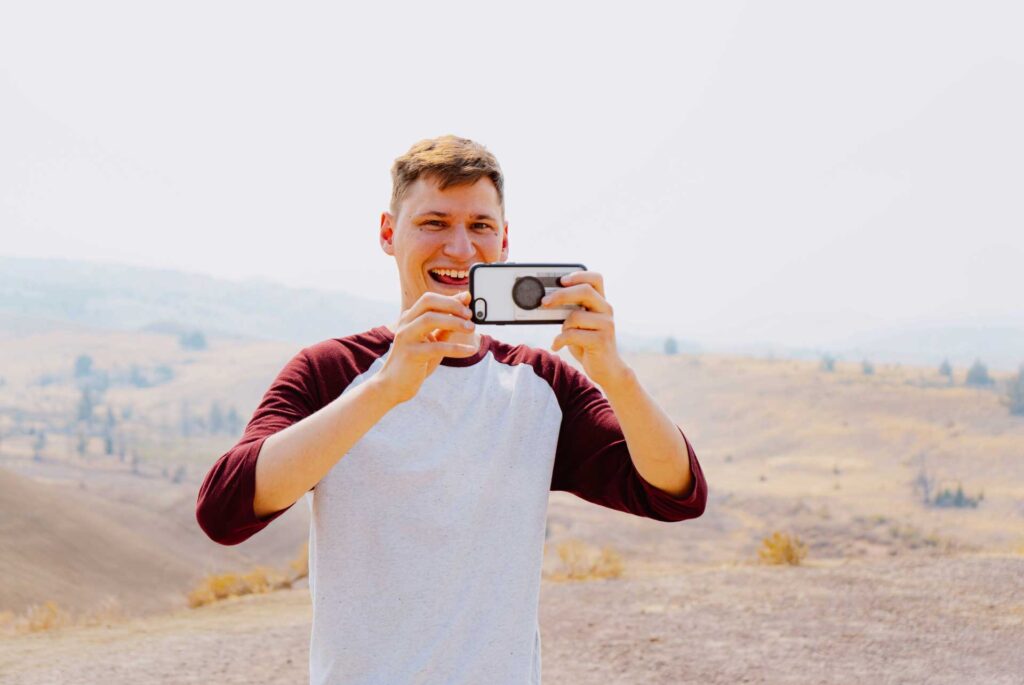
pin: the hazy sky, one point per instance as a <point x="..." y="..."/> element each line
<point x="780" y="172"/>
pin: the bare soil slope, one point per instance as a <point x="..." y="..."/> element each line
<point x="78" y="548"/>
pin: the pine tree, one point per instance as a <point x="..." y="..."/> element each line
<point x="234" y="421"/>
<point x="978" y="374"/>
<point x="83" y="366"/>
<point x="1015" y="393"/>
<point x="216" y="421"/>
<point x="85" y="406"/>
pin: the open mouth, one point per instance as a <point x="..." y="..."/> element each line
<point x="450" y="276"/>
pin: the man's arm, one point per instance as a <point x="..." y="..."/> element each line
<point x="295" y="459"/>
<point x="661" y="477"/>
<point x="291" y="442"/>
<point x="307" y="421"/>
<point x="656" y="445"/>
<point x="593" y="460"/>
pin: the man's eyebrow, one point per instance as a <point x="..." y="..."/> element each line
<point x="445" y="215"/>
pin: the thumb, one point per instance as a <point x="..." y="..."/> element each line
<point x="463" y="297"/>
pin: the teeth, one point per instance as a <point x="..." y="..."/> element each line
<point x="451" y="273"/>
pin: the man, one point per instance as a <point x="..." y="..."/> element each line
<point x="430" y="449"/>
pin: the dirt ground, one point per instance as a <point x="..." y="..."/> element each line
<point x="893" y="590"/>
<point x="924" y="619"/>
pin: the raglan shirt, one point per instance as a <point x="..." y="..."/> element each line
<point x="427" y="536"/>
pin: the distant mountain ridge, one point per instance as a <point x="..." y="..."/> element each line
<point x="40" y="293"/>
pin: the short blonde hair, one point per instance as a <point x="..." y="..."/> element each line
<point x="449" y="159"/>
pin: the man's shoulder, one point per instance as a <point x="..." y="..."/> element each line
<point x="356" y="350"/>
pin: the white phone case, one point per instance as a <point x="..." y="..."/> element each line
<point x="491" y="287"/>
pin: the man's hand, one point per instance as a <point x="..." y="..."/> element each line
<point x="589" y="332"/>
<point x="422" y="341"/>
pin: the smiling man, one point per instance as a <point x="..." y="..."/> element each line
<point x="430" y="449"/>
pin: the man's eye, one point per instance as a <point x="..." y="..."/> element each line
<point x="482" y="226"/>
<point x="435" y="222"/>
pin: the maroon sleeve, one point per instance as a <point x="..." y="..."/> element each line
<point x="224" y="509"/>
<point x="593" y="462"/>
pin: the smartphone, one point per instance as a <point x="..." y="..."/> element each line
<point x="510" y="292"/>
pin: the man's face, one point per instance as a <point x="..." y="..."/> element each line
<point x="447" y="230"/>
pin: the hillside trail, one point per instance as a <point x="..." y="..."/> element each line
<point x="936" y="619"/>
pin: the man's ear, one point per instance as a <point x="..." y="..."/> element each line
<point x="504" y="243"/>
<point x="387" y="233"/>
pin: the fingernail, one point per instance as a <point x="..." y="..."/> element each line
<point x="467" y="324"/>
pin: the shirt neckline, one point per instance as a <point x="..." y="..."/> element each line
<point x="485" y="345"/>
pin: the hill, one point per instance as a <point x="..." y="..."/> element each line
<point x="78" y="546"/>
<point x="40" y="294"/>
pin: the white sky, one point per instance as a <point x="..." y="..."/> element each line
<point x="792" y="173"/>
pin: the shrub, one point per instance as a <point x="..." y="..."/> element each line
<point x="162" y="374"/>
<point x="828" y="363"/>
<point x="946" y="370"/>
<point x="40" y="617"/>
<point x="867" y="368"/>
<point x="581" y="562"/>
<point x="224" y="585"/>
<point x="978" y="374"/>
<point x="49" y="616"/>
<point x="782" y="548"/>
<point x="194" y="340"/>
<point x="671" y="346"/>
<point x="949" y="498"/>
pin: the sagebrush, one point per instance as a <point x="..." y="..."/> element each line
<point x="782" y="548"/>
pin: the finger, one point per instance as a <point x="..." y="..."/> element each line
<point x="588" y="340"/>
<point x="434" y="302"/>
<point x="595" y="279"/>
<point x="583" y="294"/>
<point x="593" y="321"/>
<point x="428" y="322"/>
<point x="441" y="335"/>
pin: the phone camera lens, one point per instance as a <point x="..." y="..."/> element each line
<point x="527" y="292"/>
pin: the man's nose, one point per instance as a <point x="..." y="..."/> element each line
<point x="459" y="246"/>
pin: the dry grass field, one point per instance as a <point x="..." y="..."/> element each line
<point x="875" y="585"/>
